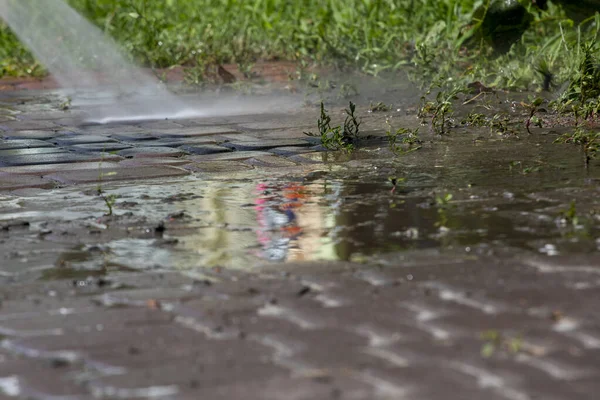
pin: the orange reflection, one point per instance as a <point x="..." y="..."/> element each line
<point x="277" y="206"/>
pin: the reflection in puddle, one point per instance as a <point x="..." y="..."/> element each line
<point x="343" y="214"/>
<point x="243" y="223"/>
<point x="277" y="206"/>
<point x="237" y="224"/>
<point x="291" y="223"/>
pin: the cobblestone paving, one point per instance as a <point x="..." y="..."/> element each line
<point x="311" y="331"/>
<point x="36" y="140"/>
<point x="425" y="325"/>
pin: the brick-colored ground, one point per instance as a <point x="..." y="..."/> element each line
<point x="488" y="323"/>
<point x="279" y="71"/>
<point x="310" y="331"/>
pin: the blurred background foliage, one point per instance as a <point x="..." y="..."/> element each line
<point x="432" y="39"/>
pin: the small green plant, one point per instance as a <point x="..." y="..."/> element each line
<point x="338" y="137"/>
<point x="194" y="76"/>
<point x="569" y="215"/>
<point x="409" y="139"/>
<point x="379" y="107"/>
<point x="347" y="90"/>
<point x="441" y="109"/>
<point x="495" y="341"/>
<point x="532" y="107"/>
<point x="475" y="119"/>
<point x="110" y="199"/>
<point x="443" y="201"/>
<point x="499" y="123"/>
<point x="395" y="181"/>
<point x="443" y="206"/>
<point x="523" y="170"/>
<point x="588" y="140"/>
<point x="66" y="105"/>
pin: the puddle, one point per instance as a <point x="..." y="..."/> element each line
<point x="450" y="195"/>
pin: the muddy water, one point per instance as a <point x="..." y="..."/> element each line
<point x="466" y="192"/>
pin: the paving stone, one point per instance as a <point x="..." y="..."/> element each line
<point x="121" y="174"/>
<point x="270" y="161"/>
<point x="265" y="144"/>
<point x="111" y="129"/>
<point x="132" y="136"/>
<point x="99" y="147"/>
<point x="49" y="115"/>
<point x="14" y="182"/>
<point x="220" y="120"/>
<point x="321" y="385"/>
<point x="121" y="318"/>
<point x="290" y="151"/>
<point x="141" y="295"/>
<point x="30" y="152"/>
<point x="138" y="161"/>
<point x="218" y="166"/>
<point x="197" y="131"/>
<point x="205" y="149"/>
<point x="310" y="158"/>
<point x="290" y="133"/>
<point x="204" y="372"/>
<point x="160" y="125"/>
<point x="45" y="169"/>
<point x="23" y="144"/>
<point x="179" y="141"/>
<point x="304" y="330"/>
<point x="68" y="123"/>
<point x="39" y="135"/>
<point x="28" y="125"/>
<point x="234" y="155"/>
<point x="239" y="137"/>
<point x="53" y="158"/>
<point x="278" y="124"/>
<point x="53" y="385"/>
<point x="152" y="152"/>
<point x="81" y="139"/>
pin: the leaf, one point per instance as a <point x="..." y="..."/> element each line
<point x="488" y="349"/>
<point x="134" y="15"/>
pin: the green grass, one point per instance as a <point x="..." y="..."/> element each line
<point x="427" y="37"/>
<point x="15" y="60"/>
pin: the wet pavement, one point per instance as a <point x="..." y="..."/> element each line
<point x="242" y="261"/>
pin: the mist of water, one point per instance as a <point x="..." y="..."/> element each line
<point x="89" y="64"/>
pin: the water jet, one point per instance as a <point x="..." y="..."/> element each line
<point x="94" y="73"/>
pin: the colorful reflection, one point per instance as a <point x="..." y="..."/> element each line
<point x="277" y="209"/>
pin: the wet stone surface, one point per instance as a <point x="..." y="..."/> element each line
<point x="23" y="144"/>
<point x="51" y="158"/>
<point x="132" y="136"/>
<point x="99" y="147"/>
<point x="264" y="144"/>
<point x="275" y="270"/>
<point x="81" y="139"/>
<point x="156" y="151"/>
<point x="33" y="135"/>
<point x="204" y="149"/>
<point x="30" y="151"/>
